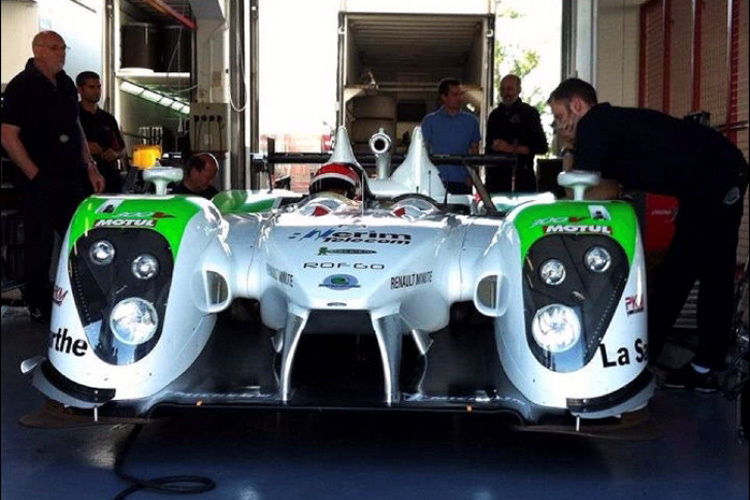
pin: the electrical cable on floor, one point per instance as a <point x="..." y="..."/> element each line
<point x="179" y="485"/>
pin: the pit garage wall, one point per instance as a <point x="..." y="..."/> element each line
<point x="20" y="21"/>
<point x="694" y="57"/>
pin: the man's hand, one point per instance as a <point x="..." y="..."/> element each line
<point x="95" y="148"/>
<point x="109" y="154"/>
<point x="502" y="146"/>
<point x="96" y="179"/>
<point x="566" y="131"/>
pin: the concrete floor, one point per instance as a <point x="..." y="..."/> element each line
<point x="376" y="455"/>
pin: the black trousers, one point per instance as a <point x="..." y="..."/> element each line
<point x="704" y="248"/>
<point x="500" y="179"/>
<point x="49" y="207"/>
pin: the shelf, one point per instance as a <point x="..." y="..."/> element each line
<point x="145" y="77"/>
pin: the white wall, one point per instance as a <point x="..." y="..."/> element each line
<point x="80" y="24"/>
<point x="617" y="52"/>
<point x="19" y="23"/>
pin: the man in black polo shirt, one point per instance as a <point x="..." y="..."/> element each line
<point x="102" y="132"/>
<point x="650" y="151"/>
<point x="199" y="173"/>
<point x="514" y="128"/>
<point x="42" y="135"/>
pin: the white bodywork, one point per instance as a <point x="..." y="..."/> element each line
<point x="405" y="264"/>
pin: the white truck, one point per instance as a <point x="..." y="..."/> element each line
<point x="391" y="56"/>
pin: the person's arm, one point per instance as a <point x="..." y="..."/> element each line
<point x="591" y="156"/>
<point x="94" y="148"/>
<point x="538" y="139"/>
<point x="117" y="150"/>
<point x="474" y="148"/>
<point x="96" y="179"/>
<point x="11" y="140"/>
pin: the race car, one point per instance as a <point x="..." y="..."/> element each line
<point x="394" y="295"/>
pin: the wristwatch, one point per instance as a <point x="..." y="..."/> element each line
<point x="567" y="151"/>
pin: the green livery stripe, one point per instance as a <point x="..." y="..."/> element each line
<point x="169" y="217"/>
<point x="616" y="219"/>
<point x="238" y="201"/>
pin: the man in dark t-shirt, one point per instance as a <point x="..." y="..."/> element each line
<point x="42" y="135"/>
<point x="650" y="151"/>
<point x="199" y="172"/>
<point x="514" y="127"/>
<point x="102" y="132"/>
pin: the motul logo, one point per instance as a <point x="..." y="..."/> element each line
<point x="125" y="223"/>
<point x="562" y="228"/>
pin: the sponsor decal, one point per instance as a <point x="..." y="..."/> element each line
<point x="125" y="223"/>
<point x="282" y="277"/>
<point x="640" y="348"/>
<point x="340" y="282"/>
<point x="557" y="220"/>
<point x="342" y="265"/>
<point x="58" y="295"/>
<point x="344" y="251"/>
<point x="62" y="342"/>
<point x="634" y="304"/>
<point x="109" y="206"/>
<point x="134" y="219"/>
<point x="333" y="235"/>
<point x="662" y="212"/>
<point x="599" y="212"/>
<point x="145" y="215"/>
<point x="409" y="280"/>
<point x="567" y="228"/>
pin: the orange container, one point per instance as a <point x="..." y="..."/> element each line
<point x="145" y="155"/>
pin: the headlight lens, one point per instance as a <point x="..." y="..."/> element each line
<point x="145" y="266"/>
<point x="598" y="259"/>
<point x="556" y="327"/>
<point x="102" y="252"/>
<point x="552" y="272"/>
<point x="134" y="321"/>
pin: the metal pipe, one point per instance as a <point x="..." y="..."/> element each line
<point x="380" y="145"/>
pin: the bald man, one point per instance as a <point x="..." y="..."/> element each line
<point x="42" y="134"/>
<point x="514" y="128"/>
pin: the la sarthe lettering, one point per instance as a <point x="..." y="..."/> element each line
<point x="62" y="342"/>
<point x="623" y="354"/>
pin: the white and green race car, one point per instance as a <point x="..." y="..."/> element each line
<point x="409" y="298"/>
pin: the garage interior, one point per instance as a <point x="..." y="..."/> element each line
<point x="685" y="58"/>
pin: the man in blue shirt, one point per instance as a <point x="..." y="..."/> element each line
<point x="452" y="131"/>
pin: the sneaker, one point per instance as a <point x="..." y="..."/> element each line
<point x="687" y="378"/>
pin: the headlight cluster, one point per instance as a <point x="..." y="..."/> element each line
<point x="572" y="286"/>
<point x="102" y="252"/>
<point x="597" y="260"/>
<point x="143" y="267"/>
<point x="556" y="328"/>
<point x="134" y="321"/>
<point x="120" y="279"/>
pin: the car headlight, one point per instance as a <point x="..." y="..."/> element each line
<point x="145" y="266"/>
<point x="552" y="272"/>
<point x="556" y="327"/>
<point x="102" y="252"/>
<point x="134" y="321"/>
<point x="597" y="259"/>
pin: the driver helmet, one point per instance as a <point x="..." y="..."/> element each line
<point x="336" y="177"/>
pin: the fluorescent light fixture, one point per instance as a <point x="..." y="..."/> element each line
<point x="155" y="97"/>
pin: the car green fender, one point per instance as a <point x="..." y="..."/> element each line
<point x="615" y="219"/>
